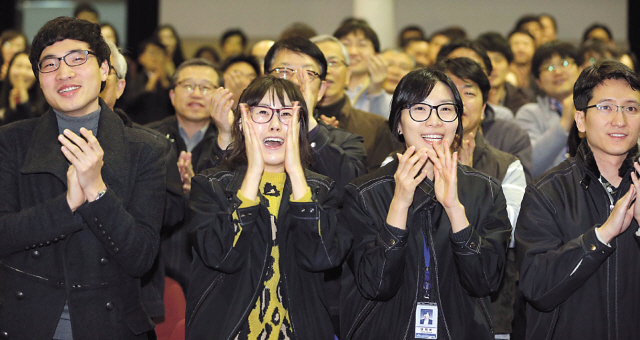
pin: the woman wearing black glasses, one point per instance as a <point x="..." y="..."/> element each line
<point x="263" y="227"/>
<point x="430" y="235"/>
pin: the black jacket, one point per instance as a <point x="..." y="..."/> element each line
<point x="49" y="257"/>
<point x="385" y="270"/>
<point x="576" y="286"/>
<point x="228" y="273"/>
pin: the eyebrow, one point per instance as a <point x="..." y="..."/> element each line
<point x="628" y="101"/>
<point x="286" y="64"/>
<point x="51" y="56"/>
<point x="191" y="79"/>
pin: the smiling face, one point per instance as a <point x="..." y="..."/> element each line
<point x="473" y="104"/>
<point x="194" y="107"/>
<point x="21" y="71"/>
<point x="433" y="130"/>
<point x="610" y="136"/>
<point x="300" y="62"/>
<point x="558" y="84"/>
<point x="359" y="48"/>
<point x="399" y="64"/>
<point x="337" y="74"/>
<point x="73" y="91"/>
<point x="272" y="135"/>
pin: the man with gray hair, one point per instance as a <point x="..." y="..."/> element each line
<point x="116" y="82"/>
<point x="335" y="107"/>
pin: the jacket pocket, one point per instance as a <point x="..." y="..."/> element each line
<point x="204" y="296"/>
<point x="138" y="320"/>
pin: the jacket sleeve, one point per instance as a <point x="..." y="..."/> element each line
<point x="550" y="269"/>
<point x="480" y="250"/>
<point x="131" y="233"/>
<point x="321" y="243"/>
<point x="377" y="259"/>
<point x="546" y="143"/>
<point x="338" y="155"/>
<point x="23" y="228"/>
<point x="222" y="240"/>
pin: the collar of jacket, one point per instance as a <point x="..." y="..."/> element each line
<point x="586" y="155"/>
<point x="44" y="154"/>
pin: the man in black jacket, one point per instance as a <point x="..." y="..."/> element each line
<point x="194" y="134"/>
<point x="577" y="235"/>
<point x="81" y="201"/>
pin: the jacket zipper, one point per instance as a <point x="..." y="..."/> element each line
<point x="435" y="270"/>
<point x="204" y="295"/>
<point x="415" y="298"/>
<point x="366" y="312"/>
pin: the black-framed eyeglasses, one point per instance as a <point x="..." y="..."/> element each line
<point x="288" y="73"/>
<point x="205" y="89"/>
<point x="607" y="109"/>
<point x="421" y="112"/>
<point x="263" y="114"/>
<point x="72" y="59"/>
<point x="335" y="63"/>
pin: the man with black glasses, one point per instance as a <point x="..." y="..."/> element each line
<point x="81" y="199"/>
<point x="577" y="235"/>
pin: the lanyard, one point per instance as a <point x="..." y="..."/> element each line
<point x="426" y="285"/>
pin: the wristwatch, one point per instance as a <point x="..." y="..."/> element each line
<point x="100" y="194"/>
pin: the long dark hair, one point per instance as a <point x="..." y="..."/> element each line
<point x="414" y="88"/>
<point x="36" y="97"/>
<point x="178" y="56"/>
<point x="252" y="95"/>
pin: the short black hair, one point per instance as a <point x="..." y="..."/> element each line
<point x="585" y="35"/>
<point x="465" y="43"/>
<point x="468" y="70"/>
<point x="153" y="40"/>
<point x="552" y="18"/>
<point x="451" y="32"/>
<point x="241" y="58"/>
<point x="193" y="62"/>
<point x="85" y="7"/>
<point x="495" y="42"/>
<point x="63" y="28"/>
<point x="416" y="87"/>
<point x="595" y="75"/>
<point x="299" y="29"/>
<point x="404" y="42"/>
<point x="358" y="26"/>
<point x="297" y="45"/>
<point x="232" y="32"/>
<point x="525" y="19"/>
<point x="208" y="49"/>
<point x="547" y="50"/>
<point x="595" y="46"/>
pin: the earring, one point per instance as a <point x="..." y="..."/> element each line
<point x="399" y="132"/>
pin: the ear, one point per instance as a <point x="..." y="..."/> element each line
<point x="400" y="128"/>
<point x="580" y="118"/>
<point x="120" y="87"/>
<point x="484" y="107"/>
<point x="172" y="95"/>
<point x="104" y="70"/>
<point x="323" y="89"/>
<point x="347" y="80"/>
<point x="538" y="83"/>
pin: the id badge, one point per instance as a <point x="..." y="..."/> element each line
<point x="426" y="325"/>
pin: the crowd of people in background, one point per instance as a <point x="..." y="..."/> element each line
<point x="318" y="186"/>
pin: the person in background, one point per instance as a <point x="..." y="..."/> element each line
<point x="238" y="71"/>
<point x="408" y="33"/>
<point x="600" y="32"/>
<point x="259" y="50"/>
<point x="11" y="42"/>
<point x="169" y="38"/>
<point x="208" y="52"/>
<point x="399" y="63"/>
<point x="20" y="95"/>
<point x="233" y="42"/>
<point x="86" y="11"/>
<point x="549" y="119"/>
<point x="443" y="37"/>
<point x="549" y="27"/>
<point x="109" y="33"/>
<point x="523" y="46"/>
<point x="368" y="68"/>
<point x="502" y="92"/>
<point x="418" y="49"/>
<point x="298" y="29"/>
<point x="531" y="23"/>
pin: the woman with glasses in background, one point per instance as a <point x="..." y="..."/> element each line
<point x="430" y="235"/>
<point x="263" y="227"/>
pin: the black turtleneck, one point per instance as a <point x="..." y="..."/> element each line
<point x="332" y="110"/>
